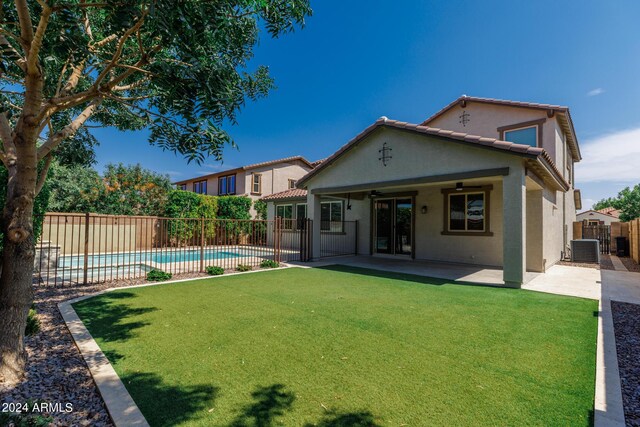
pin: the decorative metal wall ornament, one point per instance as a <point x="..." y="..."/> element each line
<point x="385" y="154"/>
<point x="464" y="118"/>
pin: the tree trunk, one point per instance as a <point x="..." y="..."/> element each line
<point x="16" y="296"/>
<point x="16" y="293"/>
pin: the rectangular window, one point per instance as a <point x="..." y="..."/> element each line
<point x="525" y="136"/>
<point x="301" y="210"/>
<point x="331" y="216"/>
<point x="292" y="184"/>
<point x="286" y="213"/>
<point x="227" y="185"/>
<point x="182" y="187"/>
<point x="200" y="187"/>
<point x="256" y="183"/>
<point x="467" y="212"/>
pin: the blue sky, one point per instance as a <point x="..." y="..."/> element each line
<point x="358" y="60"/>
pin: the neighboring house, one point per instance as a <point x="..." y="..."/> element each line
<point x="601" y="216"/>
<point x="495" y="188"/>
<point x="255" y="181"/>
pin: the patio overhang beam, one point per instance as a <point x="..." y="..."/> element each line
<point x="458" y="176"/>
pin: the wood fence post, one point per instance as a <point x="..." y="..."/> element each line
<point x="86" y="249"/>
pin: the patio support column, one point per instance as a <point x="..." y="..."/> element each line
<point x="313" y="213"/>
<point x="514" y="252"/>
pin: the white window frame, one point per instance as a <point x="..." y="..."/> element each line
<point x="254" y="183"/>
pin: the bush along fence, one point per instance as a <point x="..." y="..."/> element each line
<point x="91" y="248"/>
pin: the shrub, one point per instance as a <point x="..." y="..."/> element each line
<point x="234" y="207"/>
<point x="186" y="204"/>
<point x="158" y="276"/>
<point x="269" y="263"/>
<point x="214" y="270"/>
<point x="244" y="267"/>
<point x="33" y="323"/>
<point x="261" y="209"/>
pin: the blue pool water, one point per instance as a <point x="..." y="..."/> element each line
<point x="161" y="257"/>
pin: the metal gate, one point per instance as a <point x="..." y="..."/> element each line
<point x="600" y="232"/>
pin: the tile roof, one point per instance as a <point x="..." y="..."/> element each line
<point x="252" y="166"/>
<point x="294" y="193"/>
<point x="273" y="162"/>
<point x="610" y="211"/>
<point x="565" y="114"/>
<point x="492" y="143"/>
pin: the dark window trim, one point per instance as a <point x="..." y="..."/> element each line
<point x="291" y="184"/>
<point x="486" y="189"/>
<point x="235" y="185"/>
<point x="201" y="182"/>
<point x="522" y="125"/>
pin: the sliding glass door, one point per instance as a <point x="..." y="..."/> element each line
<point x="393" y="226"/>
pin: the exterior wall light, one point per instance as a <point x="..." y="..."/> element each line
<point x="423" y="209"/>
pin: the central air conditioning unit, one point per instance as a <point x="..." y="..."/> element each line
<point x="585" y="250"/>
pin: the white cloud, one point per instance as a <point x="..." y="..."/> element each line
<point x="587" y="204"/>
<point x="613" y="157"/>
<point x="595" y="92"/>
<point x="173" y="173"/>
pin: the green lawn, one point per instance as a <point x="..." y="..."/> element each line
<point x="348" y="347"/>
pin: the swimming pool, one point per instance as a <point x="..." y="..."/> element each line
<point x="158" y="257"/>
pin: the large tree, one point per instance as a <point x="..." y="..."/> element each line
<point x="177" y="67"/>
<point x="627" y="202"/>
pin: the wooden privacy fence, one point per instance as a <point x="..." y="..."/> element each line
<point x="91" y="248"/>
<point x="634" y="239"/>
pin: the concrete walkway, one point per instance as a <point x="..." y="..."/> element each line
<point x="617" y="264"/>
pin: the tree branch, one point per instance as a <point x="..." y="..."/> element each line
<point x="119" y="48"/>
<point x="43" y="173"/>
<point x="9" y="147"/>
<point x="20" y="62"/>
<point x="68" y="131"/>
<point x="36" y="44"/>
<point x="26" y="28"/>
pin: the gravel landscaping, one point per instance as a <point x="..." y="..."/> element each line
<point x="626" y="320"/>
<point x="56" y="372"/>
<point x="630" y="264"/>
<point x="580" y="264"/>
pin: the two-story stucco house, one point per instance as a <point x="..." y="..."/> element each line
<point x="482" y="181"/>
<point x="255" y="181"/>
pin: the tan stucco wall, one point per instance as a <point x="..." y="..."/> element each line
<point x="418" y="156"/>
<point x="413" y="156"/>
<point x="552" y="226"/>
<point x="535" y="231"/>
<point x="431" y="244"/>
<point x="485" y="119"/>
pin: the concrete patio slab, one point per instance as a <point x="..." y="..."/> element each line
<point x="442" y="270"/>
